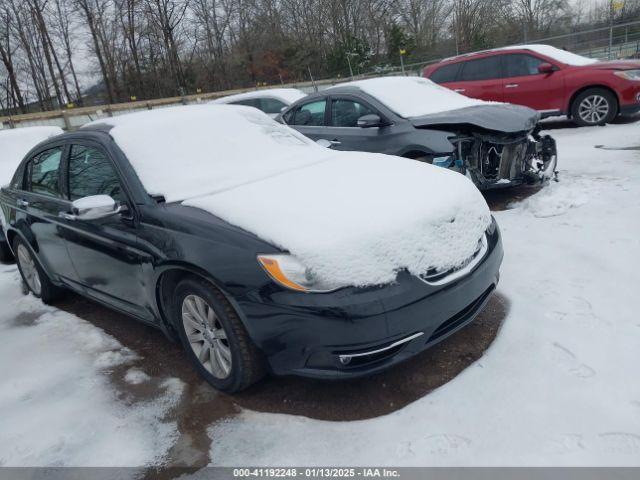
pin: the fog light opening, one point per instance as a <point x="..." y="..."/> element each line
<point x="345" y="359"/>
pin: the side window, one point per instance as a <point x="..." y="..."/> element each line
<point x="310" y="114"/>
<point x="249" y="102"/>
<point x="448" y="73"/>
<point x="519" y="64"/>
<point x="92" y="173"/>
<point x="272" y="105"/>
<point x="345" y="113"/>
<point x="44" y="172"/>
<point x="288" y="117"/>
<point x="481" y="69"/>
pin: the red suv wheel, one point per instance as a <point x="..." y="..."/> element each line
<point x="594" y="106"/>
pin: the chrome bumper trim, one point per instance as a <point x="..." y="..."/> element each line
<point x="345" y="359"/>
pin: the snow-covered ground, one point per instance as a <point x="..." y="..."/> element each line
<point x="58" y="406"/>
<point x="559" y="386"/>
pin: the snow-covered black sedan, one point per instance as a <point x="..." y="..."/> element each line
<point x="495" y="144"/>
<point x="255" y="247"/>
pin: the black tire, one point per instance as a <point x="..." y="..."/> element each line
<point x="5" y="252"/>
<point x="47" y="292"/>
<point x="594" y="106"/>
<point x="247" y="362"/>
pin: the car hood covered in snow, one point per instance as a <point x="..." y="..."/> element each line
<point x="497" y="117"/>
<point x="351" y="218"/>
<point x="16" y="143"/>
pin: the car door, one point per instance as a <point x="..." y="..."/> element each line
<point x="344" y="132"/>
<point x="104" y="251"/>
<point x="480" y="78"/>
<point x="524" y="85"/>
<point x="38" y="202"/>
<point x="309" y="119"/>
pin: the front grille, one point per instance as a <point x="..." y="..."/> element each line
<point x="461" y="317"/>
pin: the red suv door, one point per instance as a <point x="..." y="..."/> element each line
<point x="524" y="85"/>
<point x="480" y="78"/>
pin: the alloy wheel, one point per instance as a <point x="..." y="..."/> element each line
<point x="207" y="336"/>
<point x="594" y="109"/>
<point x="29" y="270"/>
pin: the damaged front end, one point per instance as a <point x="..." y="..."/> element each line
<point x="495" y="160"/>
<point x="496" y="145"/>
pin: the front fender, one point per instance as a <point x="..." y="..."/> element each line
<point x="428" y="141"/>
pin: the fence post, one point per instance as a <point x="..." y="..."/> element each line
<point x="67" y="122"/>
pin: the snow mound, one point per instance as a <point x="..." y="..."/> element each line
<point x="562" y="56"/>
<point x="135" y="376"/>
<point x="16" y="143"/>
<point x="287" y="95"/>
<point x="556" y="199"/>
<point x="359" y="219"/>
<point x="413" y="96"/>
<point x="58" y="406"/>
<point x="189" y="151"/>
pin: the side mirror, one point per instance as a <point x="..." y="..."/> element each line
<point x="546" y="68"/>
<point x="323" y="142"/>
<point x="369" y="121"/>
<point x="94" y="207"/>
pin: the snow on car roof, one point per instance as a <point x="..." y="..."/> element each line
<point x="413" y="96"/>
<point x="352" y="218"/>
<point x="16" y="143"/>
<point x="287" y="95"/>
<point x="189" y="151"/>
<point x="558" y="54"/>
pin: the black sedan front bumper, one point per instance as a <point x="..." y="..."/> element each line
<point x="355" y="332"/>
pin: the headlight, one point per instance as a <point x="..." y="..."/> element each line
<point x="287" y="271"/>
<point x="628" y="74"/>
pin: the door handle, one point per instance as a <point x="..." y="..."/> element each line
<point x="459" y="90"/>
<point x="22" y="203"/>
<point x="335" y="142"/>
<point x="68" y="216"/>
<point x="511" y="85"/>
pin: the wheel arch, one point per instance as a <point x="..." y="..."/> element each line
<point x="166" y="281"/>
<point x="11" y="236"/>
<point x="588" y="87"/>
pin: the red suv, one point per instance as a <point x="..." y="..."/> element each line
<point x="545" y="78"/>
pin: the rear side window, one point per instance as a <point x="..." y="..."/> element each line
<point x="44" y="173"/>
<point x="345" y="113"/>
<point x="520" y="64"/>
<point x="448" y="73"/>
<point x="272" y="105"/>
<point x="310" y="114"/>
<point x="92" y="173"/>
<point x="481" y="69"/>
<point x="250" y="102"/>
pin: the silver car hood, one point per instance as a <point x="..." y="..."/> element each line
<point x="499" y="117"/>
